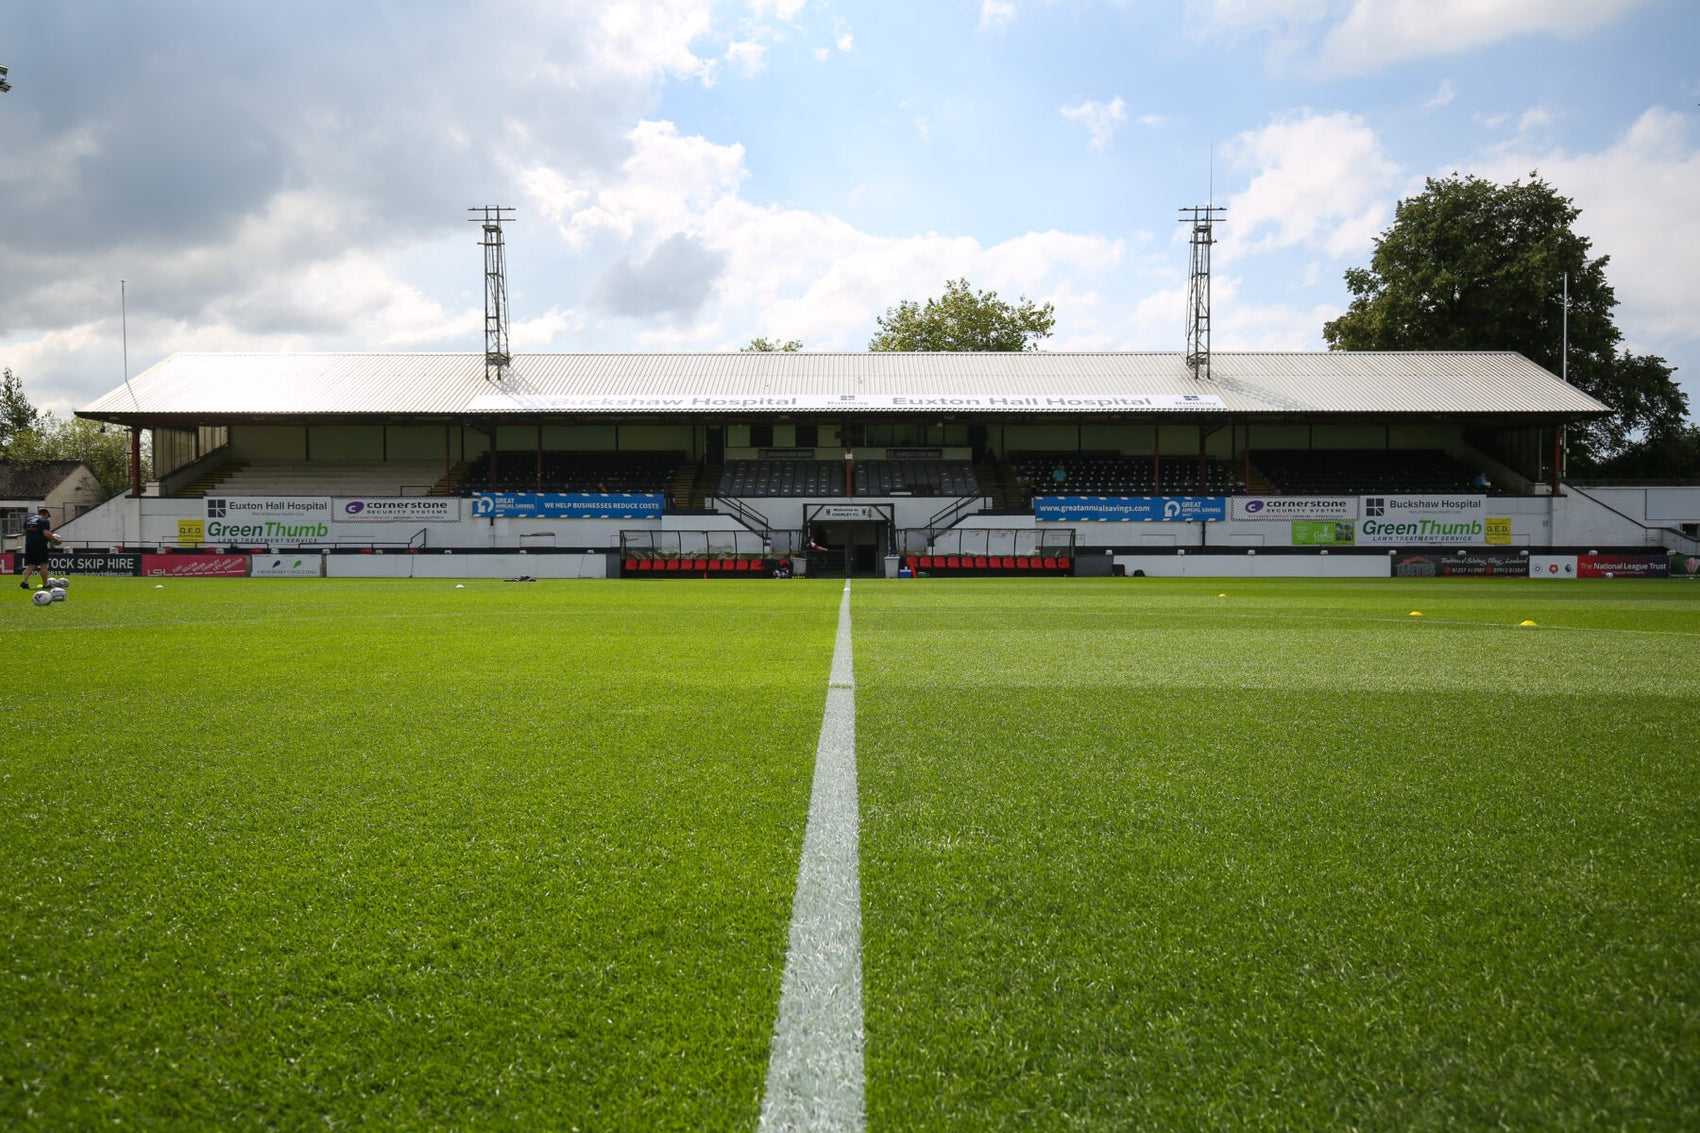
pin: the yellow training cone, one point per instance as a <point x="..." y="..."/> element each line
<point x="1416" y="613"/>
<point x="1525" y="623"/>
<point x="1221" y="595"/>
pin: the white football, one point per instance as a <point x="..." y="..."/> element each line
<point x="41" y="598"/>
<point x="57" y="594"/>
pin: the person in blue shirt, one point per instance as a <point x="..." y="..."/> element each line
<point x="38" y="531"/>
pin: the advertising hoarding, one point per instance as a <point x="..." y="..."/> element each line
<point x="1126" y="509"/>
<point x="268" y="519"/>
<point x="195" y="566"/>
<point x="568" y="505"/>
<point x="1322" y="533"/>
<point x="396" y="509"/>
<point x="287" y="566"/>
<point x="121" y="563"/>
<point x="1424" y="520"/>
<point x="1294" y="507"/>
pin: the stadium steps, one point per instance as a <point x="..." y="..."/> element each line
<point x="210" y="480"/>
<point x="708" y="480"/>
<point x="1257" y="484"/>
<point x="995" y="481"/>
<point x="452" y="484"/>
<point x="683" y="487"/>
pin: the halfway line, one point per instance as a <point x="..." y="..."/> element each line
<point x="814" y="1072"/>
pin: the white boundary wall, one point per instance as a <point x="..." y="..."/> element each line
<point x="1607" y="517"/>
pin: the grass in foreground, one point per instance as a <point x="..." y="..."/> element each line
<point x="1139" y="856"/>
<point x="401" y="856"/>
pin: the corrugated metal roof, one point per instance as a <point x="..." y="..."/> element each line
<point x="211" y="386"/>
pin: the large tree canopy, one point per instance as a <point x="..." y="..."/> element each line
<point x="28" y="437"/>
<point x="963" y="319"/>
<point x="1472" y="265"/>
<point x="17" y="415"/>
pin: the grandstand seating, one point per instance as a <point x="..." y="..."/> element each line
<point x="960" y="565"/>
<point x="1356" y="471"/>
<point x="326" y="478"/>
<point x="782" y="478"/>
<point x="702" y="566"/>
<point x="1110" y="474"/>
<point x="826" y="478"/>
<point x="576" y="472"/>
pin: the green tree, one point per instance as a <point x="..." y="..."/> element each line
<point x="17" y="415"/>
<point x="1472" y="265"/>
<point x="104" y="448"/>
<point x="765" y="346"/>
<point x="963" y="319"/>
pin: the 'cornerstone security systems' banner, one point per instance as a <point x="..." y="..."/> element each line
<point x="1417" y="520"/>
<point x="397" y="509"/>
<point x="268" y="519"/>
<point x="1143" y="509"/>
<point x="567" y="505"/>
<point x="1295" y="507"/>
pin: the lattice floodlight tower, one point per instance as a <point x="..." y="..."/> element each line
<point x="496" y="355"/>
<point x="1203" y="219"/>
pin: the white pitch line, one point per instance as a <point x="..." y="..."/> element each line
<point x="814" y="1071"/>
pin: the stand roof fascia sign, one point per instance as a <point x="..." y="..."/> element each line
<point x="213" y="386"/>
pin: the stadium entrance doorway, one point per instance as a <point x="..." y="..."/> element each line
<point x="848" y="539"/>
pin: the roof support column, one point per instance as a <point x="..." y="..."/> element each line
<point x="135" y="460"/>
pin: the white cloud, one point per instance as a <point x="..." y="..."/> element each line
<point x="1377" y="32"/>
<point x="1357" y="36"/>
<point x="1100" y="119"/>
<point x="1320" y="180"/>
<point x="747" y="57"/>
<point x="842" y="38"/>
<point x="1443" y="95"/>
<point x="800" y="274"/>
<point x="1636" y="198"/>
<point x="996" y="15"/>
<point x="783" y="10"/>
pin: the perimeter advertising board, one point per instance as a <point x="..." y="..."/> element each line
<point x="1622" y="566"/>
<point x="1409" y="521"/>
<point x="397" y="509"/>
<point x="7" y="559"/>
<point x="268" y="519"/>
<point x="287" y="566"/>
<point x="1129" y="509"/>
<point x="1322" y="533"/>
<point x="1603" y="566"/>
<point x="195" y="566"/>
<point x="567" y="505"/>
<point x="118" y="563"/>
<point x="1312" y="508"/>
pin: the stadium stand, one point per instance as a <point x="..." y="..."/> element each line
<point x="329" y="478"/>
<point x="756" y="478"/>
<point x="1111" y="474"/>
<point x="519" y="471"/>
<point x="1351" y="471"/>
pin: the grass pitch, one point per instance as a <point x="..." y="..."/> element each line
<point x="396" y="855"/>
<point x="401" y="856"/>
<point x="1187" y="855"/>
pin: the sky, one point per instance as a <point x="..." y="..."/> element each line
<point x="227" y="175"/>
